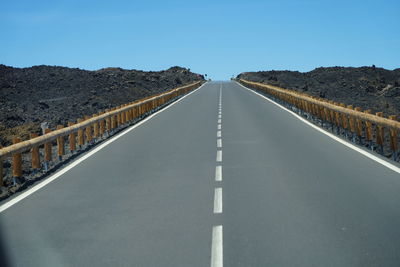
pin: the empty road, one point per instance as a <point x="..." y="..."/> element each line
<point x="222" y="177"/>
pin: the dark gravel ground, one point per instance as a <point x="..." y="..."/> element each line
<point x="365" y="87"/>
<point x="30" y="96"/>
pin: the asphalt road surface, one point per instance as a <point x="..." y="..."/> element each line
<point x="251" y="185"/>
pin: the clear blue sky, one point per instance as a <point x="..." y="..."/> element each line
<point x="220" y="38"/>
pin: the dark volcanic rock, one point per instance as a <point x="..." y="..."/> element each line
<point x="29" y="96"/>
<point x="366" y="87"/>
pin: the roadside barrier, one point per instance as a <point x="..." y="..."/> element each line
<point x="85" y="132"/>
<point x="356" y="125"/>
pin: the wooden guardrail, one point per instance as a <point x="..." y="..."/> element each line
<point x="351" y="119"/>
<point x="84" y="131"/>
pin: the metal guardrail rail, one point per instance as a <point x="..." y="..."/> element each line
<point x="353" y="120"/>
<point x="85" y="130"/>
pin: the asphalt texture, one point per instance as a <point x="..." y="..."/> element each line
<point x="291" y="195"/>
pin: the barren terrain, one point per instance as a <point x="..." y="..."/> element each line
<point x="31" y="96"/>
<point x="367" y="87"/>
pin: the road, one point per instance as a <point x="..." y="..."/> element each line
<point x="252" y="186"/>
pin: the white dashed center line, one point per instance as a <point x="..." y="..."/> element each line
<point x="216" y="247"/>
<point x="219" y="156"/>
<point x="218" y="200"/>
<point x="217" y="239"/>
<point x="218" y="173"/>
<point x="219" y="143"/>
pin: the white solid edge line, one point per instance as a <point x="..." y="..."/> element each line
<point x="53" y="177"/>
<point x="219" y="116"/>
<point x="349" y="145"/>
<point x="219" y="143"/>
<point x="217" y="247"/>
<point x="219" y="121"/>
<point x="218" y="133"/>
<point x="219" y="127"/>
<point x="218" y="173"/>
<point x="219" y="155"/>
<point x="218" y="200"/>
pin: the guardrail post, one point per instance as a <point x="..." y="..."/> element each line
<point x="118" y="119"/>
<point x="17" y="162"/>
<point x="393" y="138"/>
<point x="60" y="144"/>
<point x="122" y="116"/>
<point x="88" y="131"/>
<point x="144" y="108"/>
<point x="127" y="115"/>
<point x="326" y="114"/>
<point x="81" y="137"/>
<point x="344" y="121"/>
<point x="139" y="110"/>
<point x="307" y="107"/>
<point x="47" y="152"/>
<point x="72" y="139"/>
<point x="113" y="122"/>
<point x="102" y="126"/>
<point x="322" y="114"/>
<point x="368" y="131"/>
<point x="35" y="155"/>
<point x="337" y="119"/>
<point x="379" y="133"/>
<point x="108" y="123"/>
<point x="352" y="125"/>
<point x="359" y="125"/>
<point x="95" y="128"/>
<point x="135" y="112"/>
<point x="332" y="116"/>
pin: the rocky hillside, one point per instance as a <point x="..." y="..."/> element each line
<point x="366" y="87"/>
<point x="30" y="96"/>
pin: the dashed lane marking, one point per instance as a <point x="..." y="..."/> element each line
<point x="217" y="247"/>
<point x="219" y="156"/>
<point x="218" y="200"/>
<point x="218" y="173"/>
<point x="219" y="143"/>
